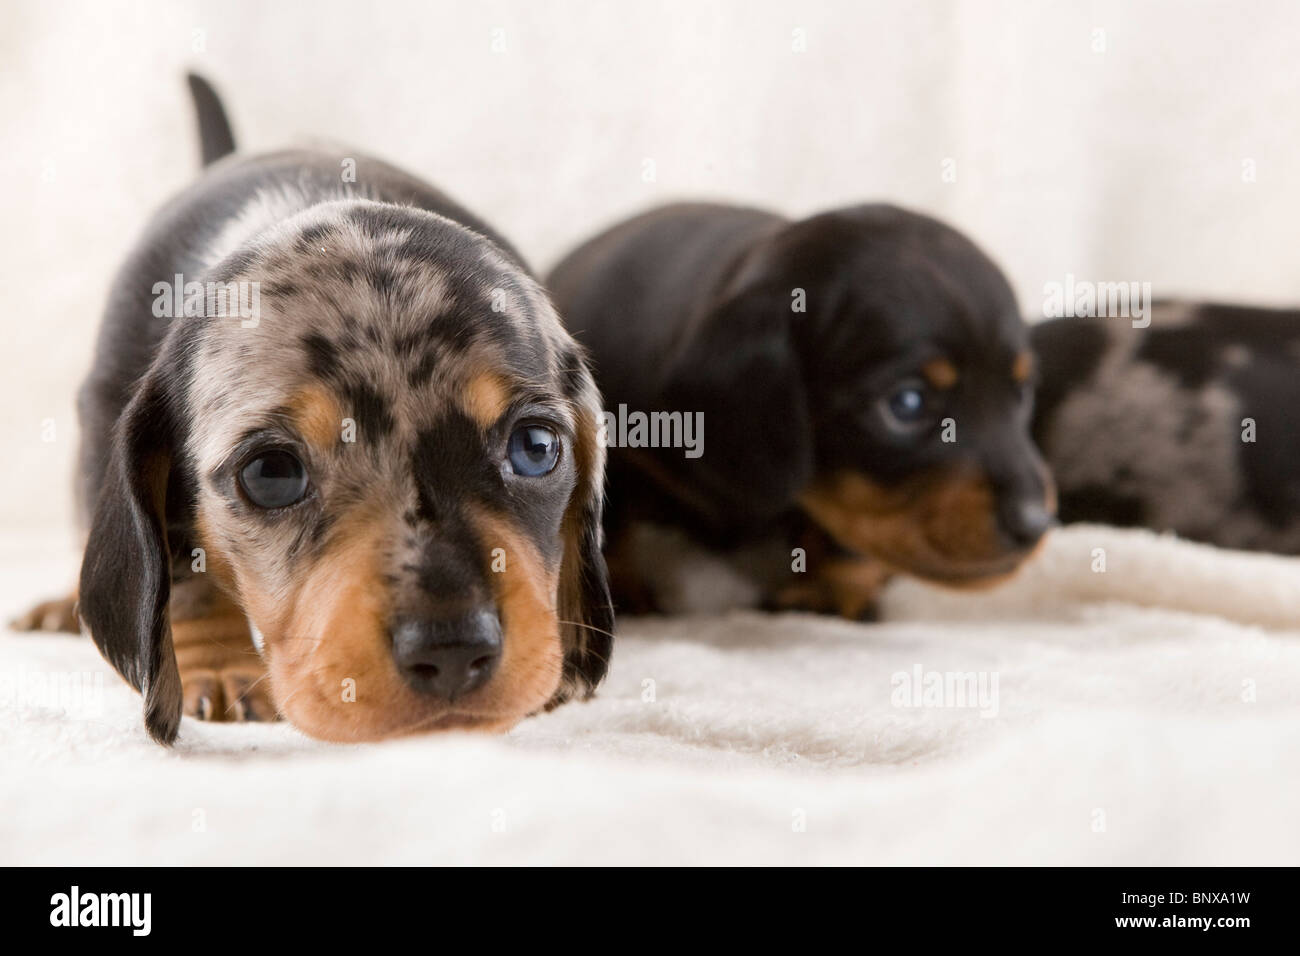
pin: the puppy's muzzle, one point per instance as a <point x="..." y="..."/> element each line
<point x="448" y="658"/>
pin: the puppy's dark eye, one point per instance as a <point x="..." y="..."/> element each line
<point x="274" y="479"/>
<point x="907" y="404"/>
<point x="908" y="407"/>
<point x="532" y="450"/>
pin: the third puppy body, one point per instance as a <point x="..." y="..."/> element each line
<point x="1187" y="425"/>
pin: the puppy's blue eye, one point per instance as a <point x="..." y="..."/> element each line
<point x="533" y="450"/>
<point x="274" y="479"/>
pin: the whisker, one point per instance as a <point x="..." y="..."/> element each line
<point x="246" y="691"/>
<point x="590" y="627"/>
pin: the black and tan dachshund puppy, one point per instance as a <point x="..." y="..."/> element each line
<point x="863" y="383"/>
<point x="367" y="499"/>
<point x="1190" y="424"/>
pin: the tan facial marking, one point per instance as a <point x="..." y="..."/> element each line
<point x="587" y="457"/>
<point x="940" y="526"/>
<point x="216" y="565"/>
<point x="318" y="416"/>
<point x="532" y="664"/>
<point x="1022" y="367"/>
<point x="329" y="654"/>
<point x="486" y="398"/>
<point x="940" y="373"/>
<point x="584" y="621"/>
<point x="330" y="663"/>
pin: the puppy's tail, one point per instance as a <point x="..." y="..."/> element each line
<point x="215" y="138"/>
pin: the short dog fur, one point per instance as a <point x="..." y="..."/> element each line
<point x="825" y="428"/>
<point x="1186" y="425"/>
<point x="420" y="580"/>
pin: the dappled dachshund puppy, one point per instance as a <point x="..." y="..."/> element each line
<point x="864" y="384"/>
<point x="1187" y="425"/>
<point x="373" y="507"/>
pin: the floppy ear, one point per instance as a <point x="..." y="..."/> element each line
<point x="585" y="609"/>
<point x="741" y="369"/>
<point x="126" y="571"/>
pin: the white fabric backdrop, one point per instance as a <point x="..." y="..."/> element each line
<point x="1120" y="164"/>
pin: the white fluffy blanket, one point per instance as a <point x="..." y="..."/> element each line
<point x="1147" y="714"/>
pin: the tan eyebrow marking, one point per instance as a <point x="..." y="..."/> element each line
<point x="940" y="373"/>
<point x="318" y="415"/>
<point x="486" y="398"/>
<point x="1022" y="367"/>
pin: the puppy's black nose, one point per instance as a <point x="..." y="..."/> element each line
<point x="1025" y="520"/>
<point x="448" y="658"/>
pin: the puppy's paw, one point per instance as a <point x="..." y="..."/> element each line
<point x="231" y="694"/>
<point x="847" y="587"/>
<point x="59" y="614"/>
